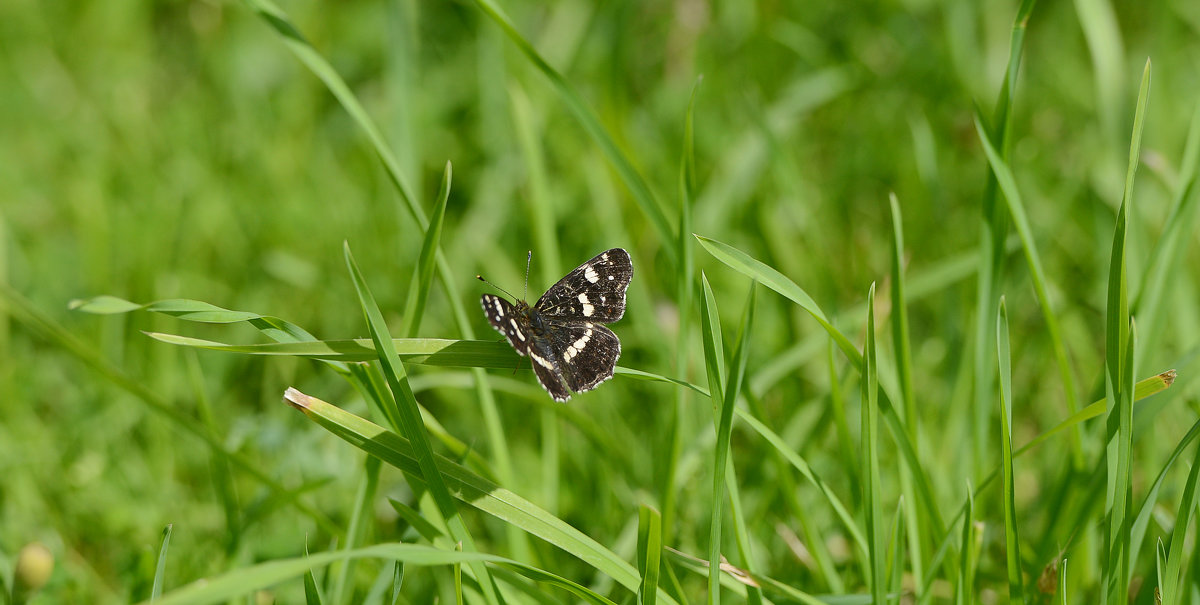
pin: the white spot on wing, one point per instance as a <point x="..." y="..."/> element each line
<point x="516" y="329"/>
<point x="577" y="347"/>
<point x="604" y="257"/>
<point x="588" y="309"/>
<point x="610" y="278"/>
<point x="591" y="274"/>
<point x="542" y="362"/>
<point x="499" y="309"/>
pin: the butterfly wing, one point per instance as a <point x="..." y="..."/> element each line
<point x="586" y="353"/>
<point x="593" y="292"/>
<point x="507" y="320"/>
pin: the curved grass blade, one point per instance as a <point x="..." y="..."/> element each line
<point x="1142" y="521"/>
<point x="189" y="310"/>
<point x="412" y="426"/>
<point x="1170" y="580"/>
<point x="263" y="575"/>
<point x="576" y="105"/>
<point x="469" y="488"/>
<point x="778" y="282"/>
<point x="1012" y="550"/>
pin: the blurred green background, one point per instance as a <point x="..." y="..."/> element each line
<point x="154" y="150"/>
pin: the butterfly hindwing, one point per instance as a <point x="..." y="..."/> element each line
<point x="548" y="368"/>
<point x="585" y="352"/>
<point x="593" y="291"/>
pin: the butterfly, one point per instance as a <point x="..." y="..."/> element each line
<point x="562" y="333"/>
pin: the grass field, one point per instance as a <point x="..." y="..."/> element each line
<point x="913" y="316"/>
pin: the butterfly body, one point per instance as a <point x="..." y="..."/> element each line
<point x="562" y="333"/>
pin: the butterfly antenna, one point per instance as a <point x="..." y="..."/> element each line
<point x="528" y="260"/>
<point x="480" y="278"/>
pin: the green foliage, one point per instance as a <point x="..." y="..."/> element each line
<point x="176" y="180"/>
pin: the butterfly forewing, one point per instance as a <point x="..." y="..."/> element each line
<point x="594" y="291"/>
<point x="507" y="320"/>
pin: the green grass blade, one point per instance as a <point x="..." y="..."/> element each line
<point x="160" y="568"/>
<point x="591" y="124"/>
<point x="1016" y="207"/>
<point x="248" y="579"/>
<point x="872" y="483"/>
<point x="1012" y="543"/>
<point x="769" y="277"/>
<point x="904" y="370"/>
<point x="857" y="535"/>
<point x="469" y="488"/>
<point x="964" y="592"/>
<point x="423" y="527"/>
<point x="649" y="554"/>
<point x="412" y="426"/>
<point x="422" y="281"/>
<point x="1170" y="580"/>
<point x="714" y="365"/>
<point x="728" y="407"/>
<point x="312" y="594"/>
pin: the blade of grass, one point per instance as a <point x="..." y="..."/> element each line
<point x="872" y="483"/>
<point x="908" y="400"/>
<point x="422" y="281"/>
<point x="649" y="554"/>
<point x="736" y="381"/>
<point x="248" y="579"/>
<point x="160" y="568"/>
<point x="413" y="428"/>
<point x="714" y="365"/>
<point x="469" y="488"/>
<point x="1012" y="543"/>
<point x="1142" y="521"/>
